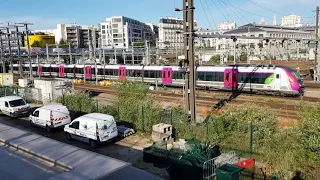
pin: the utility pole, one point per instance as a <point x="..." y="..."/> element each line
<point x="28" y="44"/>
<point x="234" y="50"/>
<point x="188" y="30"/>
<point x="47" y="51"/>
<point x="2" y="49"/>
<point x="132" y="55"/>
<point x="70" y="54"/>
<point x="317" y="63"/>
<point x="58" y="50"/>
<point x="9" y="48"/>
<point x="18" y="47"/>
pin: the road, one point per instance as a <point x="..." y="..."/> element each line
<point x="128" y="149"/>
<point x="15" y="165"/>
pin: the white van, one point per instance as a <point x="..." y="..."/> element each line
<point x="14" y="106"/>
<point x="92" y="128"/>
<point x="50" y="116"/>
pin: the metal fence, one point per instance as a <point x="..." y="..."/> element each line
<point x="210" y="166"/>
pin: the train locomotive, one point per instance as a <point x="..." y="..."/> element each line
<point x="262" y="79"/>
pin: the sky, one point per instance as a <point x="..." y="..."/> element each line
<point x="208" y="13"/>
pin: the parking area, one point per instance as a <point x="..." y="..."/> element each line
<point x="128" y="149"/>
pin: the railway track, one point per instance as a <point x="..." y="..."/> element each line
<point x="283" y="110"/>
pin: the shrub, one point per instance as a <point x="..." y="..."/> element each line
<point x="309" y="131"/>
<point x="79" y="102"/>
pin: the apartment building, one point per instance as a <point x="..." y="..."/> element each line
<point x="80" y="36"/>
<point x="170" y="33"/>
<point x="121" y="32"/>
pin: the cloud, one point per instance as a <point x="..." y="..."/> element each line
<point x="38" y="22"/>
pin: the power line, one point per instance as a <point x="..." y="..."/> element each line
<point x="214" y="22"/>
<point x="225" y="10"/>
<point x="219" y="10"/>
<point x="233" y="12"/>
<point x="205" y="14"/>
<point x="236" y="10"/>
<point x="249" y="12"/>
<point x="265" y="8"/>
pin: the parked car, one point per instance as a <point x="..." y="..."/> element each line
<point x="14" y="106"/>
<point x="92" y="128"/>
<point x="50" y="116"/>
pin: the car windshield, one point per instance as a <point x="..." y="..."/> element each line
<point x="18" y="102"/>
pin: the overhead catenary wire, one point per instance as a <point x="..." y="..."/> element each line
<point x="234" y="12"/>
<point x="219" y="10"/>
<point x="206" y="14"/>
<point x="248" y="12"/>
<point x="225" y="10"/>
<point x="230" y="4"/>
<point x="214" y="22"/>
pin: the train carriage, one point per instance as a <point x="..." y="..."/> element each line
<point x="278" y="80"/>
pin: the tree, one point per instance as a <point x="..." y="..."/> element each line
<point x="138" y="44"/>
<point x="38" y="44"/>
<point x="63" y="44"/>
<point x="243" y="56"/>
<point x="214" y="59"/>
<point x="230" y="58"/>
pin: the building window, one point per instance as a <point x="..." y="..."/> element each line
<point x="103" y="31"/>
<point x="103" y="27"/>
<point x="115" y="20"/>
<point x="114" y="25"/>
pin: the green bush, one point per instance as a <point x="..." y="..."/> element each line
<point x="79" y="102"/>
<point x="309" y="131"/>
<point x="238" y="119"/>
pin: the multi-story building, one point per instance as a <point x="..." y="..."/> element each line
<point x="122" y="32"/>
<point x="170" y="33"/>
<point x="227" y="25"/>
<point x="291" y="20"/>
<point x="155" y="34"/>
<point x="80" y="36"/>
<point x="284" y="42"/>
<point x="49" y="32"/>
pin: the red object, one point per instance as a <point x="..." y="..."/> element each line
<point x="248" y="163"/>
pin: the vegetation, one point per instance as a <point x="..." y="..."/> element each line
<point x="281" y="151"/>
<point x="38" y="44"/>
<point x="138" y="44"/>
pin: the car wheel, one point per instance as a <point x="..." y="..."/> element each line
<point x="68" y="136"/>
<point x="48" y="129"/>
<point x="93" y="144"/>
<point x="31" y="124"/>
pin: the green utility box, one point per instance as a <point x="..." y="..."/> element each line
<point x="228" y="172"/>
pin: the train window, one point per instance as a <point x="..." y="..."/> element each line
<point x="227" y="77"/>
<point x="34" y="68"/>
<point x="152" y="74"/>
<point x="278" y="76"/>
<point x="137" y="73"/>
<point x="115" y="72"/>
<point x="201" y="76"/>
<point x="209" y="76"/>
<point x="146" y="74"/>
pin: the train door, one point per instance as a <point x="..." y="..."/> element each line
<point x="167" y="75"/>
<point x="277" y="83"/>
<point x="230" y="78"/>
<point x="61" y="70"/>
<point x="122" y="72"/>
<point x="40" y="70"/>
<point x="88" y="72"/>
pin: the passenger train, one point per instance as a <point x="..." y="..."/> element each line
<point x="276" y="80"/>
